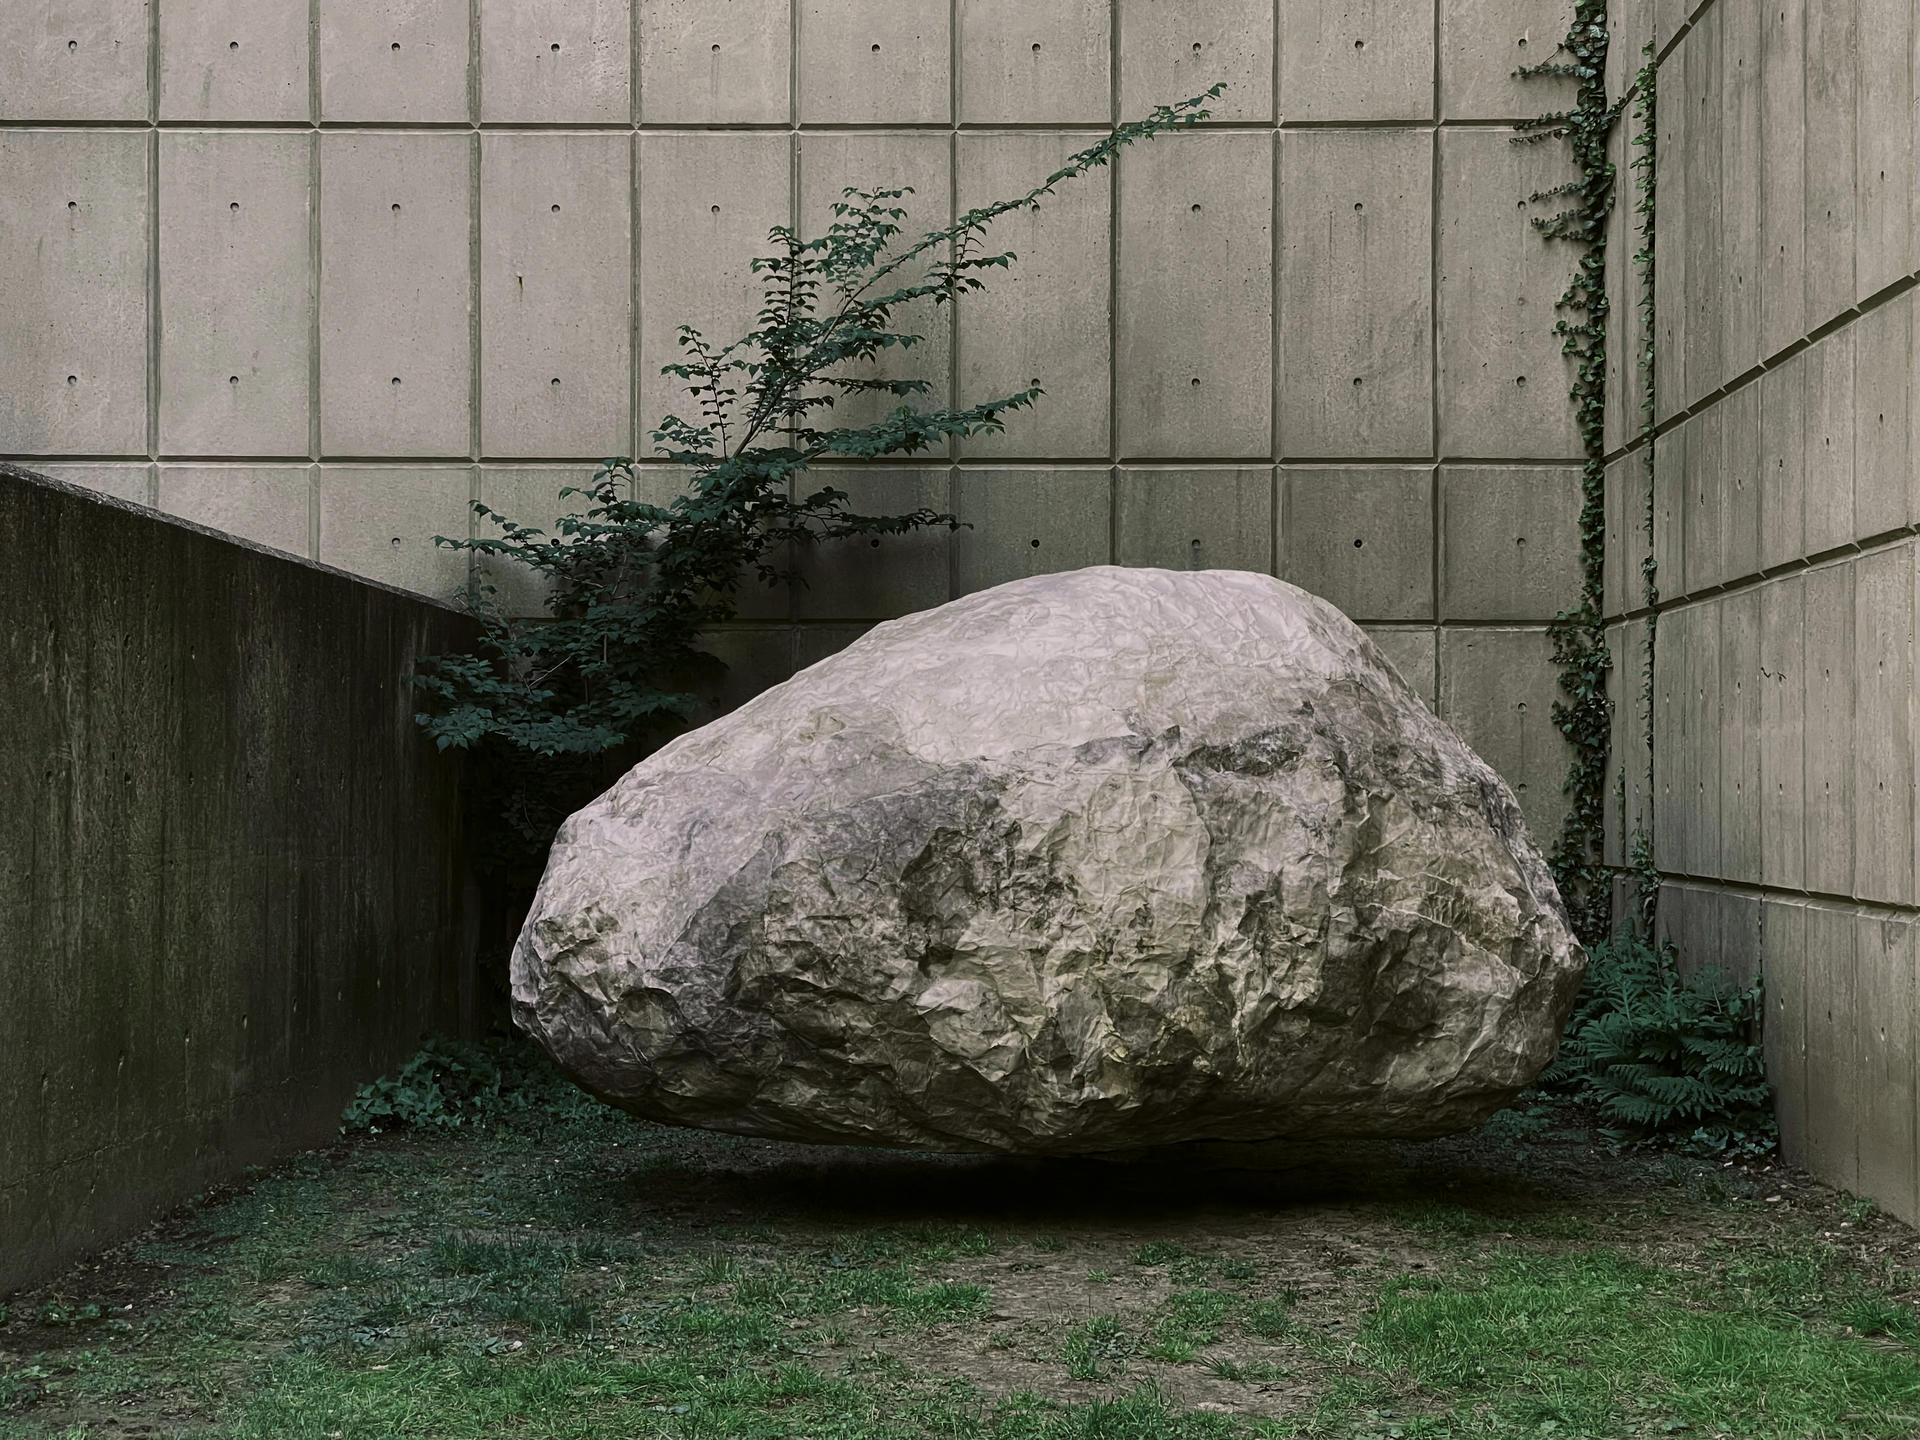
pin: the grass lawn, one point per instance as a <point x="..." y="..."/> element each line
<point x="582" y="1274"/>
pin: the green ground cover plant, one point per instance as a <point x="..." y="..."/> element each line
<point x="542" y="1271"/>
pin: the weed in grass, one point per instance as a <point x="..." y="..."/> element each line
<point x="1238" y="1271"/>
<point x="1048" y="1244"/>
<point x="1858" y="1208"/>
<point x="1159" y="1252"/>
<point x="718" y="1268"/>
<point x="1249" y="1372"/>
<point x="1271" y="1318"/>
<point x="1189" y="1320"/>
<point x="1867" y="1312"/>
<point x="1100" y="1277"/>
<point x="1144" y="1413"/>
<point x="1097" y="1349"/>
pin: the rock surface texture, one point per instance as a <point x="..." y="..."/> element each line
<point x="1086" y="862"/>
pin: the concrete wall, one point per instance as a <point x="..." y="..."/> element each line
<point x="322" y="274"/>
<point x="1786" y="493"/>
<point x="231" y="884"/>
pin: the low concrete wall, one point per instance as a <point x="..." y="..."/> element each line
<point x="231" y="881"/>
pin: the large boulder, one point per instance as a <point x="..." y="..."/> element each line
<point x="1087" y="862"/>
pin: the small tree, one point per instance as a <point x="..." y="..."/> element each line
<point x="632" y="585"/>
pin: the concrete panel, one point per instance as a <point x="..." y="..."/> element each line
<point x="1783" y="464"/>
<point x="1497" y="688"/>
<point x="1783" y="966"/>
<point x="1884" y="157"/>
<point x="555" y="288"/>
<point x="1618" y="492"/>
<point x="550" y="61"/>
<point x="1783" y="180"/>
<point x="235" y="293"/>
<point x="875" y="61"/>
<point x="1503" y="380"/>
<point x="1171" y="52"/>
<point x="1884" y="479"/>
<point x="1216" y="519"/>
<point x="1357" y="60"/>
<point x="1047" y="317"/>
<point x="1028" y="522"/>
<point x="1700" y="737"/>
<point x="394" y="60"/>
<point x="1743" y="693"/>
<point x="1628" y="544"/>
<point x="1668" y="17"/>
<point x="1629" y="28"/>
<point x="829" y="164"/>
<point x="1482" y="44"/>
<point x="380" y="522"/>
<point x="1696" y="64"/>
<point x="883" y="576"/>
<point x="526" y="495"/>
<point x="1828" y="367"/>
<point x="1355" y="367"/>
<point x="233" y="60"/>
<point x="1831" y="170"/>
<point x="530" y="495"/>
<point x="1691" y="916"/>
<point x="1634" y="759"/>
<point x="82" y="60"/>
<point x="1885" y="1053"/>
<point x="707" y="202"/>
<point x="1783" y="699"/>
<point x="1669" y="247"/>
<point x="1196" y="316"/>
<point x="266" y="504"/>
<point x="814" y="643"/>
<point x="1741" y="45"/>
<point x="1361" y="537"/>
<point x="1623" y="685"/>
<point x="396" y="294"/>
<point x="1509" y="542"/>
<point x="1035" y="62"/>
<point x="124" y="482"/>
<point x="1706" y="446"/>
<point x="708" y="64"/>
<point x="1829" y="617"/>
<point x="73" y="292"/>
<point x="1414" y="652"/>
<point x="1741" y="922"/>
<point x="1670" y="512"/>
<point x="1623" y="420"/>
<point x="1740" y="483"/>
<point x="1882" y="746"/>
<point x="1670" y="815"/>
<point x="755" y="658"/>
<point x="1833" y="1052"/>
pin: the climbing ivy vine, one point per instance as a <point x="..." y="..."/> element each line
<point x="1646" y="878"/>
<point x="1584" y="714"/>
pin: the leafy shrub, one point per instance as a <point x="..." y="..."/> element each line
<point x="1663" y="1057"/>
<point x="454" y="1083"/>
<point x="633" y="585"/>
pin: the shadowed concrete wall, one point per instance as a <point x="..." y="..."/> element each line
<point x="231" y="886"/>
<point x="322" y="285"/>
<point x="1786" y="496"/>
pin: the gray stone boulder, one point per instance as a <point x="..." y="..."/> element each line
<point x="1087" y="862"/>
